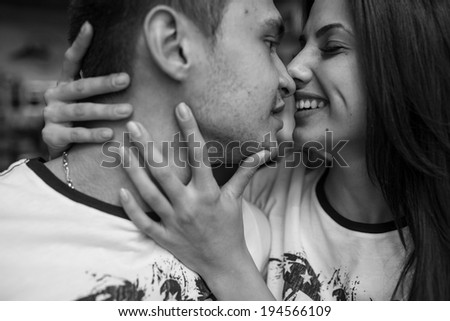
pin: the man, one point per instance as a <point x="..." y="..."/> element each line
<point x="70" y="240"/>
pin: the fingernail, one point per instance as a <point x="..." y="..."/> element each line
<point x="183" y="111"/>
<point x="265" y="157"/>
<point x="84" y="28"/>
<point x="124" y="110"/>
<point x="122" y="153"/>
<point x="124" y="194"/>
<point x="121" y="80"/>
<point x="107" y="133"/>
<point x="134" y="129"/>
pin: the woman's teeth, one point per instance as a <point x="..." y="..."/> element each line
<point x="309" y="104"/>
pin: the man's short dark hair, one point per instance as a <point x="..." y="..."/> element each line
<point x="116" y="24"/>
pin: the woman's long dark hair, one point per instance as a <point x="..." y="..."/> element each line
<point x="405" y="57"/>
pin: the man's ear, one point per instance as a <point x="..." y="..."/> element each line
<point x="167" y="41"/>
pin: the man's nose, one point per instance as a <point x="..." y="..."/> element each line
<point x="286" y="83"/>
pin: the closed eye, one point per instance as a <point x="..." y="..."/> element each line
<point x="333" y="48"/>
<point x="272" y="44"/>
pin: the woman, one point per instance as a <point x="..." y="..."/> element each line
<point x="377" y="75"/>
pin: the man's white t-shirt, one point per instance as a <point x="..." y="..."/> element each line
<point x="59" y="244"/>
<point x="316" y="253"/>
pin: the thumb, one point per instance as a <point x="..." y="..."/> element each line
<point x="237" y="184"/>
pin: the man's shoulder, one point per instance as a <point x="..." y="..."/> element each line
<point x="20" y="179"/>
<point x="16" y="179"/>
<point x="16" y="168"/>
<point x="77" y="231"/>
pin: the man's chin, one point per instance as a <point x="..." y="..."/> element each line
<point x="277" y="122"/>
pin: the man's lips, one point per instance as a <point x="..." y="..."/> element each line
<point x="279" y="108"/>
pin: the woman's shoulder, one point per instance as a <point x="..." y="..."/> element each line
<point x="274" y="182"/>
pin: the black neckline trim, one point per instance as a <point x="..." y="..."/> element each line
<point x="349" y="224"/>
<point x="38" y="167"/>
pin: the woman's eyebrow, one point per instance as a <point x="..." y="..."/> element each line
<point x="325" y="29"/>
<point x="322" y="31"/>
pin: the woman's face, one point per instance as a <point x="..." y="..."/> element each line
<point x="329" y="91"/>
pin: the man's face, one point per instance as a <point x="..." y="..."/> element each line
<point x="239" y="91"/>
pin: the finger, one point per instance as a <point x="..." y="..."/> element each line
<point x="87" y="88"/>
<point x="157" y="164"/>
<point x="75" y="54"/>
<point x="198" y="153"/>
<point x="57" y="137"/>
<point x="149" y="227"/>
<point x="237" y="184"/>
<point x="62" y="113"/>
<point x="147" y="189"/>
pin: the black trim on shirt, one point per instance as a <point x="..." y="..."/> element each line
<point x="345" y="222"/>
<point x="38" y="167"/>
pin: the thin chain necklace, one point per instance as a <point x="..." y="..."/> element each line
<point x="65" y="164"/>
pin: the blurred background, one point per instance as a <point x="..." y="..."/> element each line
<point x="33" y="37"/>
<point x="33" y="41"/>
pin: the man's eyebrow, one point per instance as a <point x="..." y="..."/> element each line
<point x="331" y="26"/>
<point x="277" y="25"/>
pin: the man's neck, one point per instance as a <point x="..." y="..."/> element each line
<point x="94" y="174"/>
